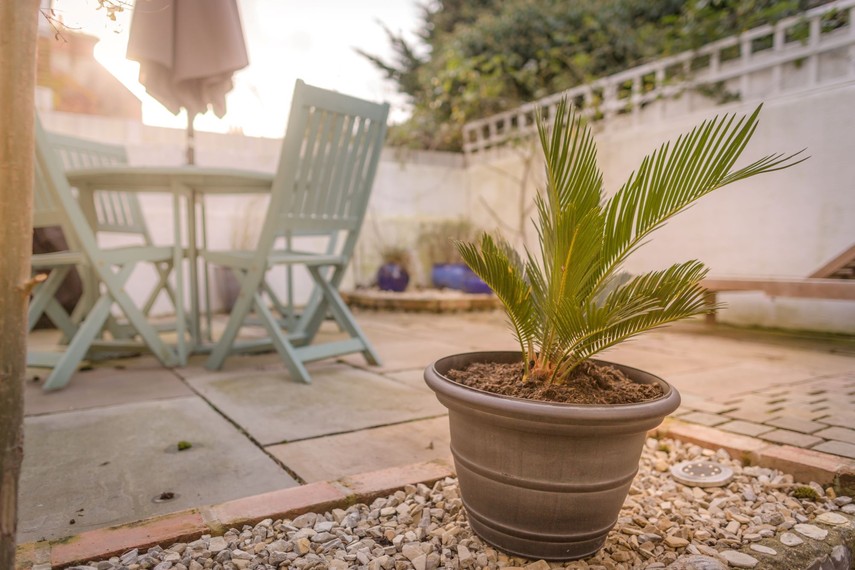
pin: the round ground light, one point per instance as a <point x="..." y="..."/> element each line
<point x="702" y="473"/>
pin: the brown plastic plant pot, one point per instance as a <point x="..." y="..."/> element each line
<point x="538" y="479"/>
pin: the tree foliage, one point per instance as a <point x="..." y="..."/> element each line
<point x="474" y="58"/>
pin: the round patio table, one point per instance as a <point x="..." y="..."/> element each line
<point x="189" y="183"/>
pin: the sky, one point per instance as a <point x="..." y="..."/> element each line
<point x="286" y="40"/>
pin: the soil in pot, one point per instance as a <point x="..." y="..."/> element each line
<point x="590" y="383"/>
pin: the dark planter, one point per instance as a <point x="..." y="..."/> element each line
<point x="228" y="287"/>
<point x="543" y="480"/>
<point x="392" y="277"/>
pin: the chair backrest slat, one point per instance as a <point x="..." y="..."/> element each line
<point x="365" y="144"/>
<point x="55" y="202"/>
<point x="329" y="159"/>
<point x="327" y="166"/>
<point x="118" y="212"/>
<point x="46" y="211"/>
<point x="333" y="151"/>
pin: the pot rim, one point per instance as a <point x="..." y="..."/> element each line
<point x="455" y="393"/>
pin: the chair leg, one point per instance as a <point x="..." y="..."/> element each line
<point x="115" y="288"/>
<point x="60" y="318"/>
<point x="343" y="316"/>
<point x="44" y="294"/>
<point x="286" y="313"/>
<point x="79" y="345"/>
<point x="236" y="319"/>
<point x="163" y="270"/>
<point x="281" y="343"/>
<point x="316" y="309"/>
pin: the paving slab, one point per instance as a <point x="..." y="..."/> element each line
<point x="104" y="467"/>
<point x="806" y="413"/>
<point x="399" y="350"/>
<point x="111" y="383"/>
<point x="694" y="402"/>
<point x="703" y="418"/>
<point x="273" y="408"/>
<point x="753" y="414"/>
<point x="744" y="428"/>
<point x="842" y="419"/>
<point x="793" y="438"/>
<point x="414" y="378"/>
<point x="796" y="424"/>
<point x="327" y="458"/>
<point x="734" y="379"/>
<point x="238" y="362"/>
<point x="657" y="358"/>
<point x="838" y="433"/>
<point x="837" y="448"/>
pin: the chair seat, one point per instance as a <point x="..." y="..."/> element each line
<point x="244" y="259"/>
<point x="117" y="256"/>
<point x="56" y="259"/>
<point x="147" y="253"/>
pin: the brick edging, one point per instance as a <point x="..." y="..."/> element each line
<point x="190" y="524"/>
<point x="803" y="464"/>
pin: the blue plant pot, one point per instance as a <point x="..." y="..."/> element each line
<point x="457" y="276"/>
<point x="392" y="277"/>
<point x="474" y="284"/>
<point x="448" y="275"/>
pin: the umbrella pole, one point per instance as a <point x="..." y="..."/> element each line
<point x="191" y="139"/>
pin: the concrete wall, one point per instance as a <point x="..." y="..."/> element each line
<point x="783" y="224"/>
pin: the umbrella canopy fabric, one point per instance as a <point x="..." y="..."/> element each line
<point x="188" y="51"/>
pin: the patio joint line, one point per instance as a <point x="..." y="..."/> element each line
<point x="300" y="481"/>
<point x="332" y="434"/>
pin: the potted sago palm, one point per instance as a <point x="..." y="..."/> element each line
<point x="546" y="441"/>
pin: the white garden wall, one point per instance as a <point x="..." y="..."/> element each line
<point x="780" y="225"/>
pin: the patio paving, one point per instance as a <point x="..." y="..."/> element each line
<point x="105" y="466"/>
<point x="106" y="443"/>
<point x="340" y="399"/>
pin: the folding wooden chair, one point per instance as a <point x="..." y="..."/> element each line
<point x="55" y="205"/>
<point x="323" y="181"/>
<point x="114" y="212"/>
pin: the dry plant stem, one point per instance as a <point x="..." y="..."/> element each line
<point x="18" y="26"/>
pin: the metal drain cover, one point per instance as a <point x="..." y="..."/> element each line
<point x="702" y="473"/>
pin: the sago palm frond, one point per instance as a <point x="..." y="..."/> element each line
<point x="568" y="304"/>
<point x="673" y="177"/>
<point x="501" y="267"/>
<point x="646" y="302"/>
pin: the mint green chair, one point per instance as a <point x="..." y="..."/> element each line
<point x="55" y="205"/>
<point x="326" y="170"/>
<point x="114" y="212"/>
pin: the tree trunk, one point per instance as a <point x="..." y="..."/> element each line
<point x="18" y="28"/>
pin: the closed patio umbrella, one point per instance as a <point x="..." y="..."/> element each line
<point x="188" y="51"/>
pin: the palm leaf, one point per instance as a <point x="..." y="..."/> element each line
<point x="646" y="302"/>
<point x="571" y="161"/>
<point x="501" y="268"/>
<point x="673" y="177"/>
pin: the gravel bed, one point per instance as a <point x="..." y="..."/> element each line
<point x="662" y="524"/>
